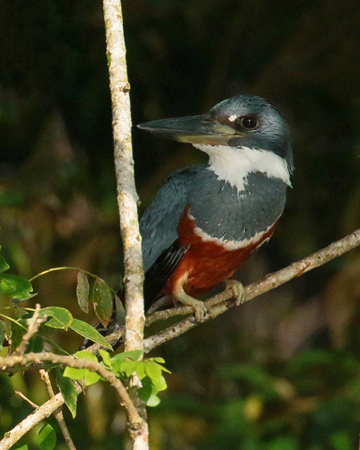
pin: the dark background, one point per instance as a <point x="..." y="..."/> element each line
<point x="281" y="372"/>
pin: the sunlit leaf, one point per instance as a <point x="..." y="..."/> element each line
<point x="3" y="265"/>
<point x="103" y="301"/>
<point x="46" y="439"/>
<point x="74" y="373"/>
<point x="89" y="332"/>
<point x="153" y="370"/>
<point x="82" y="291"/>
<point x="16" y="287"/>
<point x="60" y="317"/>
<point x="129" y="367"/>
<point x="106" y="357"/>
<point x="133" y="354"/>
<point x="148" y="393"/>
<point x="91" y="378"/>
<point x="68" y="391"/>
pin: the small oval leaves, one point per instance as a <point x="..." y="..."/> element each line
<point x="103" y="301"/>
<point x="83" y="291"/>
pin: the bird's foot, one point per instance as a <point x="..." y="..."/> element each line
<point x="237" y="289"/>
<point x="197" y="305"/>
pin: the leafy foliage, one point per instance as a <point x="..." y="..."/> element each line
<point x="124" y="365"/>
<point x="13" y="286"/>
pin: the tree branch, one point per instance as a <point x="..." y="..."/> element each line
<point x="124" y="167"/>
<point x="221" y="303"/>
<point x="127" y="200"/>
<point x="58" y="414"/>
<point x="271" y="281"/>
<point x="135" y="421"/>
<point x="42" y="412"/>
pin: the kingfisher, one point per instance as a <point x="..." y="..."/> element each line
<point x="206" y="220"/>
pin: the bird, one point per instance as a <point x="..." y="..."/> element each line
<point x="206" y="220"/>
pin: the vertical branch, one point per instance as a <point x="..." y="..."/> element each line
<point x="127" y="200"/>
<point x="124" y="166"/>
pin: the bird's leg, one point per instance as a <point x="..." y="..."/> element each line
<point x="197" y="305"/>
<point x="237" y="289"/>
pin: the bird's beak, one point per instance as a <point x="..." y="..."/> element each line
<point x="191" y="129"/>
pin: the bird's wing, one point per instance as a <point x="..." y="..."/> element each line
<point x="162" y="251"/>
<point x="158" y="225"/>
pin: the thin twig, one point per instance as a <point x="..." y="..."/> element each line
<point x="20" y="394"/>
<point x="58" y="414"/>
<point x="34" y="324"/>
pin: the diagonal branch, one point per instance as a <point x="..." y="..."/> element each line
<point x="221" y="303"/>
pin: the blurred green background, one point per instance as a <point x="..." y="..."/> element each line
<point x="281" y="372"/>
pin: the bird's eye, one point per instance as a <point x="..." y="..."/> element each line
<point x="249" y="122"/>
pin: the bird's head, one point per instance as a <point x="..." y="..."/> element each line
<point x="239" y="122"/>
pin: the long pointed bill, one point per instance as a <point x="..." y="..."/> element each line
<point x="191" y="129"/>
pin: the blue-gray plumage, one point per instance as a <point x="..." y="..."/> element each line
<point x="207" y="219"/>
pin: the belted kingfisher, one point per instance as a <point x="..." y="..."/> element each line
<point x="206" y="220"/>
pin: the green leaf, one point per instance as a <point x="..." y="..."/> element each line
<point x="23" y="447"/>
<point x="82" y="291"/>
<point x="341" y="440"/>
<point x="17" y="332"/>
<point x="36" y="345"/>
<point x="60" y="317"/>
<point x="89" y="332"/>
<point x="3" y="265"/>
<point x="46" y="439"/>
<point x="91" y="377"/>
<point x="129" y="367"/>
<point x="16" y="287"/>
<point x="106" y="357"/>
<point x="74" y="374"/>
<point x="148" y="393"/>
<point x="135" y="355"/>
<point x="120" y="311"/>
<point x="153" y="370"/>
<point x="84" y="354"/>
<point x="103" y="301"/>
<point x="68" y="391"/>
<point x="2" y="333"/>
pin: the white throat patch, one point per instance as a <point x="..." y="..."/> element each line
<point x="234" y="164"/>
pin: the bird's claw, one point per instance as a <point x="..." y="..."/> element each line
<point x="199" y="310"/>
<point x="237" y="289"/>
<point x="197" y="305"/>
